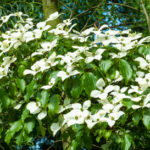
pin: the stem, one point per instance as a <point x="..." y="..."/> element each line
<point x="146" y="15"/>
<point x="91" y="16"/>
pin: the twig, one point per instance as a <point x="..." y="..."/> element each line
<point x="85" y="11"/>
<point x="146" y="15"/>
<point x="96" y="146"/>
<point x="67" y="8"/>
<point x="124" y="5"/>
<point x="91" y="16"/>
<point x="53" y="144"/>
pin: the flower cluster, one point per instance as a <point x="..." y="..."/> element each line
<point x="61" y="75"/>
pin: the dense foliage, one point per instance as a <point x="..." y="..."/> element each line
<point x="89" y="88"/>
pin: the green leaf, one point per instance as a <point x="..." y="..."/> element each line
<point x="67" y="86"/>
<point x="77" y="88"/>
<point x="128" y="103"/>
<point x="89" y="82"/>
<point x="127" y="142"/>
<point x="53" y="105"/>
<point x="29" y="126"/>
<point x="19" y="139"/>
<point x="105" y="65"/>
<point x="146" y="119"/>
<point x="41" y="128"/>
<point x="123" y="119"/>
<point x="21" y="69"/>
<point x="137" y="116"/>
<point x="29" y="91"/>
<point x="126" y="70"/>
<point x="44" y="98"/>
<point x="25" y="114"/>
<point x="144" y="50"/>
<point x="1" y="130"/>
<point x="107" y="134"/>
<point x="12" y="89"/>
<point x="15" y="127"/>
<point x="6" y="101"/>
<point x="21" y="84"/>
<point x="74" y="145"/>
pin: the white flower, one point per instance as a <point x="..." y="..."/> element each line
<point x="144" y="64"/>
<point x="78" y="115"/>
<point x="143" y="104"/>
<point x="70" y="58"/>
<point x="42" y="26"/>
<point x="102" y="93"/>
<point x="42" y="115"/>
<point x="119" y="94"/>
<point x="46" y="46"/>
<point x="6" y="18"/>
<point x="118" y="77"/>
<point x="67" y="22"/>
<point x="146" y="39"/>
<point x="28" y="36"/>
<point x="135" y="89"/>
<point x="4" y="66"/>
<point x="18" y="106"/>
<point x="39" y="66"/>
<point x="55" y="127"/>
<point x="140" y="74"/>
<point x="90" y="56"/>
<point x="113" y="117"/>
<point x="8" y="60"/>
<point x="53" y="16"/>
<point x="87" y="31"/>
<point x="64" y="75"/>
<point x="99" y="116"/>
<point x="81" y="48"/>
<point x="33" y="107"/>
<point x="105" y="39"/>
<point x="50" y="84"/>
<point x="144" y="82"/>
<point x="63" y="108"/>
<point x="118" y="55"/>
<point x="31" y="35"/>
<point x="51" y="59"/>
<point x="114" y="113"/>
<point x="75" y="116"/>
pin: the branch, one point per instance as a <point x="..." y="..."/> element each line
<point x="67" y="8"/>
<point x="96" y="146"/>
<point x="91" y="16"/>
<point x="54" y="144"/>
<point x="124" y="5"/>
<point x="146" y="15"/>
<point x="85" y="11"/>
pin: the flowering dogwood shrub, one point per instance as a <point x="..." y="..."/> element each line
<point x="90" y="86"/>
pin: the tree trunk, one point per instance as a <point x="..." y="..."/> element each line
<point x="49" y="7"/>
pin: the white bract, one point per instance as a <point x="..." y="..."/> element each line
<point x="35" y="108"/>
<point x="143" y="104"/>
<point x="50" y="84"/>
<point x="102" y="93"/>
<point x="144" y="64"/>
<point x="4" y="66"/>
<point x="90" y="56"/>
<point x="64" y="75"/>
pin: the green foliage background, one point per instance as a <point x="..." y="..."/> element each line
<point x="87" y="14"/>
